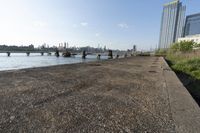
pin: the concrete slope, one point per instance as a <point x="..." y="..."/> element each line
<point x="185" y="111"/>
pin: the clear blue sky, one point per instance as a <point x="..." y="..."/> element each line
<point x="118" y="24"/>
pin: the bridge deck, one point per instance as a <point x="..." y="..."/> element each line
<point x="139" y="94"/>
<point x="27" y="51"/>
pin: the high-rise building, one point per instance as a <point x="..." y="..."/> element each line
<point x="172" y="23"/>
<point x="192" y="25"/>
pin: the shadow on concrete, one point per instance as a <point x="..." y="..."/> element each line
<point x="190" y="83"/>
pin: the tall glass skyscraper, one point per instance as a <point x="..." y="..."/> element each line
<point x="172" y="23"/>
<point x="192" y="25"/>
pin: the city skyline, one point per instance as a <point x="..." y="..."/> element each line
<point x="116" y="24"/>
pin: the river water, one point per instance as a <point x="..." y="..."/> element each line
<point x="21" y="60"/>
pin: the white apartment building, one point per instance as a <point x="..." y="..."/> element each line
<point x="195" y="38"/>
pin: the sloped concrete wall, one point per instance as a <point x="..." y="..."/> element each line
<point x="185" y="111"/>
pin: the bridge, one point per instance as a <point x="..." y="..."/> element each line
<point x="28" y="52"/>
<point x="49" y="53"/>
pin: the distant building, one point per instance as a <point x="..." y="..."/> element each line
<point x="65" y="45"/>
<point x="192" y="25"/>
<point x="172" y="23"/>
<point x="195" y="38"/>
<point x="61" y="46"/>
<point x="134" y="48"/>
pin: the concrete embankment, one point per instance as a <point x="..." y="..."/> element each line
<point x="139" y="94"/>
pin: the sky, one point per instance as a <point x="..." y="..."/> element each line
<point x="116" y="24"/>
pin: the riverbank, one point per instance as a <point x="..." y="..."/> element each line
<point x="187" y="68"/>
<point x="137" y="94"/>
<point x="184" y="58"/>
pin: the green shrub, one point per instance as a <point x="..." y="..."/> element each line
<point x="183" y="46"/>
<point x="196" y="45"/>
<point x="175" y="47"/>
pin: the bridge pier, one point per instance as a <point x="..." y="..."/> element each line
<point x="57" y="53"/>
<point x="84" y="54"/>
<point x="49" y="54"/>
<point x="8" y="53"/>
<point x="110" y="54"/>
<point x="99" y="56"/>
<point x="42" y="53"/>
<point x="27" y="53"/>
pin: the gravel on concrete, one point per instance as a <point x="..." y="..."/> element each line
<point x="122" y="95"/>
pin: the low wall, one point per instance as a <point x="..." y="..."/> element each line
<point x="185" y="111"/>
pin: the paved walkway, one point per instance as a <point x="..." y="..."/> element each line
<point x="139" y="94"/>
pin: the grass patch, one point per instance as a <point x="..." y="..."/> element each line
<point x="190" y="67"/>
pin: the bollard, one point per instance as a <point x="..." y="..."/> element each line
<point x="8" y="53"/>
<point x="27" y="53"/>
<point x="49" y="54"/>
<point x="110" y="54"/>
<point x="84" y="54"/>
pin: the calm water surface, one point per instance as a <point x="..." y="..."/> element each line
<point x="20" y="60"/>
